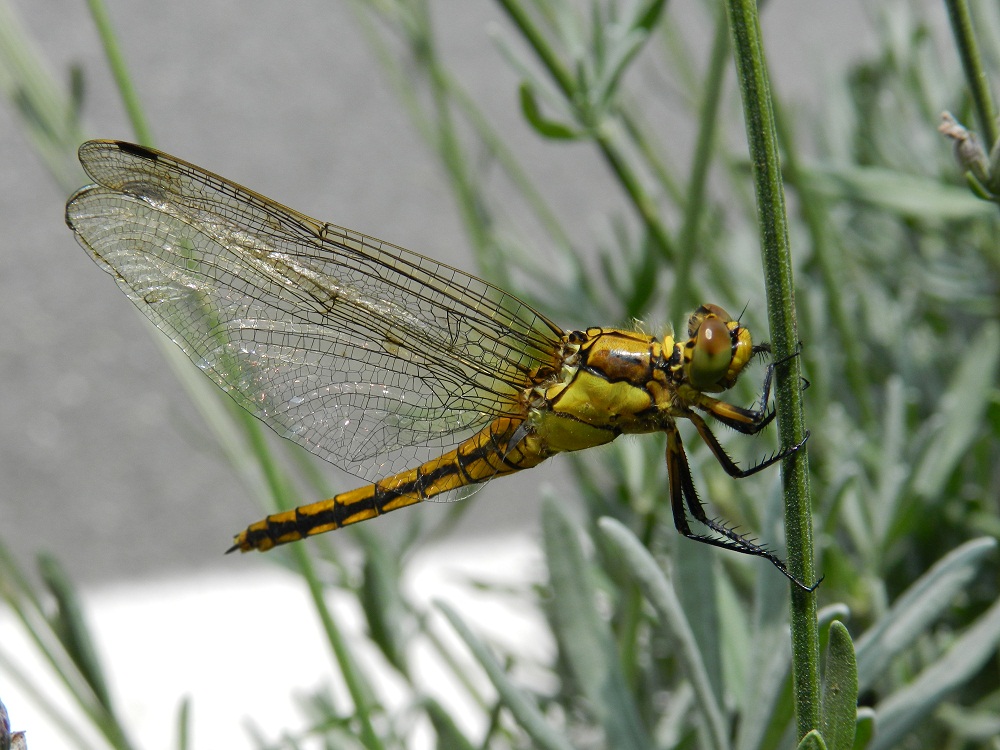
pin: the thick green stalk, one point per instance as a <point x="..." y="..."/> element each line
<point x="811" y="209"/>
<point x="766" y="167"/>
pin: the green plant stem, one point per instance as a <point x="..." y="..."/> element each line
<point x="811" y="207"/>
<point x="972" y="64"/>
<point x="276" y="480"/>
<point x="357" y="686"/>
<point x="762" y="138"/>
<point x="614" y="156"/>
<point x="116" y="61"/>
<point x="277" y="486"/>
<point x="704" y="152"/>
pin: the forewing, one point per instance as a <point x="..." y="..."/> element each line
<point x="367" y="354"/>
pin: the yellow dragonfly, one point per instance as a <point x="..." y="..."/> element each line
<point x="377" y="359"/>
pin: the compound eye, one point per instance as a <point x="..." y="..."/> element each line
<point x="713" y="353"/>
<point x="702" y="314"/>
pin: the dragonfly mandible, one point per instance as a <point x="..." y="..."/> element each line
<point x="412" y="374"/>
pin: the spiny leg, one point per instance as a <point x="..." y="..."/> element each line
<point x="769" y="375"/>
<point x="747" y="421"/>
<point x="683" y="492"/>
<point x="726" y="462"/>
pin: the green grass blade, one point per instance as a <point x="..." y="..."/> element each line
<point x="657" y="589"/>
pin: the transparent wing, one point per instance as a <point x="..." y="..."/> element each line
<point x="365" y="353"/>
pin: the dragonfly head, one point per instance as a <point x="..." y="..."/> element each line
<point x="717" y="349"/>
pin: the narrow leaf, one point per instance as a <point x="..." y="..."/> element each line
<point x="903" y="712"/>
<point x="184" y="724"/>
<point x="646" y="17"/>
<point x="838" y="710"/>
<point x="545" y="127"/>
<point x="520" y="704"/>
<point x="905" y="194"/>
<point x="448" y="733"/>
<point x="657" y="589"/>
<point x="70" y="626"/>
<point x="812" y="741"/>
<point x="917" y="608"/>
<point x="621" y="55"/>
<point x="960" y="411"/>
<point x="864" y="729"/>
<point x="382" y="602"/>
<point x="585" y="638"/>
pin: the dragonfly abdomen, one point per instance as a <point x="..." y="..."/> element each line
<point x="487" y="454"/>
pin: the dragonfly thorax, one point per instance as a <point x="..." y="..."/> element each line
<point x="611" y="381"/>
<point x="600" y="391"/>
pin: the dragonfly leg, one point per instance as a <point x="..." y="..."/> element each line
<point x="748" y="421"/>
<point x="727" y="463"/>
<point x="683" y="493"/>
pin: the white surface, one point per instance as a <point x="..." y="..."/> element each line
<point x="243" y="646"/>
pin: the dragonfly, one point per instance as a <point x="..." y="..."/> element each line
<point x="412" y="374"/>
